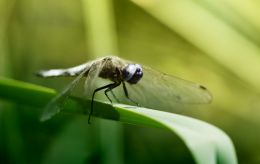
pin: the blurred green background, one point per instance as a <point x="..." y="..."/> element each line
<point x="215" y="43"/>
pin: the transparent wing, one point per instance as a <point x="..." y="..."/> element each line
<point x="164" y="92"/>
<point x="55" y="105"/>
<point x="91" y="80"/>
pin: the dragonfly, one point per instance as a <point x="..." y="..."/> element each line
<point x="141" y="85"/>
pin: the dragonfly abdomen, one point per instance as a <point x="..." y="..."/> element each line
<point x="73" y="71"/>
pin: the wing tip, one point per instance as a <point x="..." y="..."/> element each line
<point x="46" y="115"/>
<point x="44" y="118"/>
<point x="208" y="98"/>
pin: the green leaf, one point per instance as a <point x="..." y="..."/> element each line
<point x="207" y="143"/>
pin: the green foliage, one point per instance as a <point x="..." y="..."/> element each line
<point x="215" y="43"/>
<point x="207" y="143"/>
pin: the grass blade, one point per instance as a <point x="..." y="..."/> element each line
<point x="207" y="143"/>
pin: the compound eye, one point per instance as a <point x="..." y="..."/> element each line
<point x="139" y="69"/>
<point x="132" y="73"/>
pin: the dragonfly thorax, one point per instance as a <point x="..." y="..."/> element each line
<point x="132" y="73"/>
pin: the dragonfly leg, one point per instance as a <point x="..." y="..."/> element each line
<point x="108" y="87"/>
<point x="114" y="96"/>
<point x="127" y="96"/>
<point x="107" y="90"/>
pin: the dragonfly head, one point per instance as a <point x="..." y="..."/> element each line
<point x="132" y="73"/>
